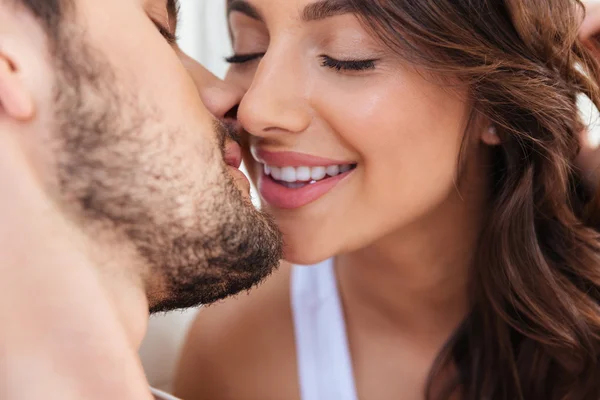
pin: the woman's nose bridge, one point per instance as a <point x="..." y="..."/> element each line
<point x="276" y="98"/>
<point x="281" y="70"/>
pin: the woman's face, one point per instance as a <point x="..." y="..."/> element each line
<point x="349" y="144"/>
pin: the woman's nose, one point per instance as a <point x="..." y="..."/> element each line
<point x="275" y="102"/>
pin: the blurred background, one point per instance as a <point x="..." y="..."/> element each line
<point x="203" y="35"/>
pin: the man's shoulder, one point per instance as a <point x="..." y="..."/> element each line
<point x="159" y="395"/>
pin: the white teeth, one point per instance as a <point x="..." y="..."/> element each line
<point x="276" y="173"/>
<point x="288" y="174"/>
<point x="333" y="170"/>
<point x="303" y="174"/>
<point x="318" y="173"/>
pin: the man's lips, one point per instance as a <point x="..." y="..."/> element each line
<point x="233" y="159"/>
<point x="233" y="154"/>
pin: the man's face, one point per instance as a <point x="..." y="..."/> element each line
<point x="134" y="152"/>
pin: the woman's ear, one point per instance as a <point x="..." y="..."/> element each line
<point x="490" y="136"/>
<point x="16" y="101"/>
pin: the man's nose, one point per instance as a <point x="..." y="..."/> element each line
<point x="219" y="97"/>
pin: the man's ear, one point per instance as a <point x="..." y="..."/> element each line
<point x="16" y="100"/>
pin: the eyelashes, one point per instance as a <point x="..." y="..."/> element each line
<point x="243" y="58"/>
<point x="169" y="36"/>
<point x="347" y="65"/>
<point x="326" y="61"/>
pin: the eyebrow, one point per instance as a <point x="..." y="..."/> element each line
<point x="313" y="12"/>
<point x="326" y="9"/>
<point x="245" y="8"/>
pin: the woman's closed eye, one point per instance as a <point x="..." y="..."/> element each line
<point x="348" y="65"/>
<point x="326" y="61"/>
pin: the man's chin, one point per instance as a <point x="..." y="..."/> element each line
<point x="209" y="290"/>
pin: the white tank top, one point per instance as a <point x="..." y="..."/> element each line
<point x="323" y="355"/>
<point x="160" y="395"/>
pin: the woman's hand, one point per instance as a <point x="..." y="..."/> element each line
<point x="591" y="23"/>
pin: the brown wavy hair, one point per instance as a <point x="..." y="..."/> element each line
<point x="534" y="329"/>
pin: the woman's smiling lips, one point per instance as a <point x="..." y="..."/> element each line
<point x="290" y="180"/>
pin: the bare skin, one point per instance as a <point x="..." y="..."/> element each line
<point x="243" y="348"/>
<point x="402" y="295"/>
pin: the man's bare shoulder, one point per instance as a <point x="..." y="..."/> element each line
<point x="235" y="345"/>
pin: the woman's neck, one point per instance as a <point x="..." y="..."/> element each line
<point x="417" y="280"/>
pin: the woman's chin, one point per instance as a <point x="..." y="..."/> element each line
<point x="305" y="253"/>
<point x="307" y="240"/>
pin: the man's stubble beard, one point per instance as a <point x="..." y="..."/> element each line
<point x="198" y="244"/>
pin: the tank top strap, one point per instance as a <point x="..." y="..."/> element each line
<point x="323" y="355"/>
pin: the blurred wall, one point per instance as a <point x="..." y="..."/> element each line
<point x="203" y="33"/>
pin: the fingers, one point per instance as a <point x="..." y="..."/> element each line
<point x="591" y="23"/>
